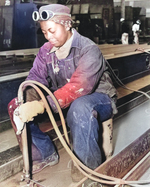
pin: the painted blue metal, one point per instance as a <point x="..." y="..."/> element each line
<point x="24" y="28"/>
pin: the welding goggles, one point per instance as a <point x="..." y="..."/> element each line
<point x="46" y="15"/>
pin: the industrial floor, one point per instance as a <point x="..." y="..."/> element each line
<point x="127" y="128"/>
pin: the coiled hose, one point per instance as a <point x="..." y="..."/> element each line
<point x="93" y="175"/>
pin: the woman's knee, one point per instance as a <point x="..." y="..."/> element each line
<point x="79" y="106"/>
<point x="79" y="114"/>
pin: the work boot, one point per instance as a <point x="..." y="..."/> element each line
<point x="91" y="183"/>
<point x="107" y="138"/>
<point x="76" y="175"/>
<point x="49" y="161"/>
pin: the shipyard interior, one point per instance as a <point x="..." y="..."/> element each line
<point x="129" y="66"/>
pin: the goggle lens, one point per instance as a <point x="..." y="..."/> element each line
<point x="45" y="15"/>
<point x="35" y="16"/>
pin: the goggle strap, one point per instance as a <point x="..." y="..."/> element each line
<point x="61" y="14"/>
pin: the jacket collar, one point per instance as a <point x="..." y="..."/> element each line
<point x="75" y="42"/>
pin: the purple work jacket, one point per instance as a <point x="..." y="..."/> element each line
<point x="82" y="72"/>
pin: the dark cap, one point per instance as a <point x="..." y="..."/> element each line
<point x="56" y="8"/>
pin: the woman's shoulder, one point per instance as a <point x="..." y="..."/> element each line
<point x="83" y="41"/>
<point x="46" y="47"/>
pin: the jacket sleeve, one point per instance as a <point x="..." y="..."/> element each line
<point x="84" y="80"/>
<point x="39" y="72"/>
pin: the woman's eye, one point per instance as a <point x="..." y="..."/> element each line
<point x="52" y="31"/>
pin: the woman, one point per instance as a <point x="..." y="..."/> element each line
<point x="73" y="67"/>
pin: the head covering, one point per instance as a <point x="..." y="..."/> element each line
<point x="62" y="12"/>
<point x="56" y="8"/>
<point x="122" y="19"/>
<point x="138" y="22"/>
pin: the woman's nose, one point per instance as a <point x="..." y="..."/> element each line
<point x="48" y="35"/>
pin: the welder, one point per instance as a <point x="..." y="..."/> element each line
<point x="136" y="31"/>
<point x="74" y="69"/>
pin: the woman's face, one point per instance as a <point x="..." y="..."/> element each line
<point x="55" y="33"/>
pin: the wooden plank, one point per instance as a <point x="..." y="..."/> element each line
<point x="21" y="52"/>
<point x="13" y="76"/>
<point x="116" y="51"/>
<point x="47" y="126"/>
<point x="109" y="51"/>
<point x="135" y="85"/>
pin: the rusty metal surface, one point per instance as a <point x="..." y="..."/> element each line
<point x="119" y="165"/>
<point x="140" y="170"/>
<point x="123" y="162"/>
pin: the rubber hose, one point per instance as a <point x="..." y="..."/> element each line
<point x="84" y="169"/>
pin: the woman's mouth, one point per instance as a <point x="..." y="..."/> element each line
<point x="53" y="42"/>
